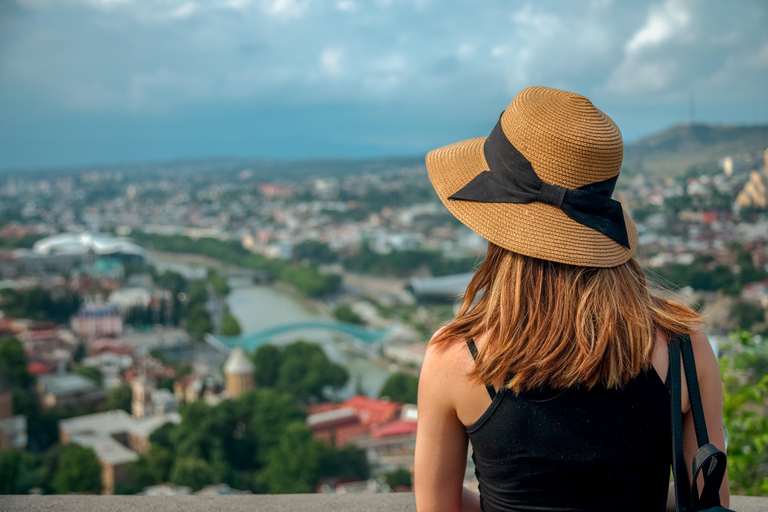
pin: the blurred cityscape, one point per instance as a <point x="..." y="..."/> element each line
<point x="227" y="326"/>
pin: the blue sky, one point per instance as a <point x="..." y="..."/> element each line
<point x="106" y="81"/>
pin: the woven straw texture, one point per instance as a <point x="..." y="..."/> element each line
<point x="570" y="143"/>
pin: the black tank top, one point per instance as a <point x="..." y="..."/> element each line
<point x="575" y="449"/>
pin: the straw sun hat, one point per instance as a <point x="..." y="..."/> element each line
<point x="541" y="183"/>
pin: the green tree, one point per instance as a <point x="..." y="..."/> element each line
<point x="312" y="250"/>
<point x="89" y="372"/>
<point x="400" y="477"/>
<point x="271" y="411"/>
<point x="218" y="282"/>
<point x="163" y="436"/>
<point x="293" y="466"/>
<point x="171" y="281"/>
<point x="401" y="387"/>
<point x="266" y="362"/>
<point x="13" y="363"/>
<point x="346" y="462"/>
<point x="198" y="294"/>
<point x="305" y="371"/>
<point x="152" y="468"/>
<point x="745" y="385"/>
<point x="345" y="313"/>
<point x="118" y="397"/>
<point x="198" y="322"/>
<point x="191" y="471"/>
<point x="230" y="326"/>
<point x="18" y="471"/>
<point x="78" y="470"/>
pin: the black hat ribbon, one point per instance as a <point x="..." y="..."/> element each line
<point x="511" y="179"/>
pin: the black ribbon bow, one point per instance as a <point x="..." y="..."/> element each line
<point x="511" y="179"/>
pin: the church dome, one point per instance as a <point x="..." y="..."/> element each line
<point x="238" y="363"/>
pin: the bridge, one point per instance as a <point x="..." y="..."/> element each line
<point x="256" y="276"/>
<point x="254" y="340"/>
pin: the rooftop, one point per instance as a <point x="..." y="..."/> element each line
<point x="107" y="449"/>
<point x="67" y="384"/>
<point x="144" y="427"/>
<point x="238" y="363"/>
<point x="81" y="243"/>
<point x="389" y="502"/>
<point x="110" y="422"/>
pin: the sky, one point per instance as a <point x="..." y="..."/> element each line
<point x="96" y="82"/>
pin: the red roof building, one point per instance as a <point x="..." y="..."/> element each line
<point x="356" y="418"/>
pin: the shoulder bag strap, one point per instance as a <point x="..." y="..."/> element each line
<point x="694" y="394"/>
<point x="682" y="488"/>
<point x="709" y="460"/>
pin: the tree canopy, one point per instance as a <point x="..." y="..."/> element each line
<point x="230" y="326"/>
<point x="401" y="387"/>
<point x="258" y="442"/>
<point x="78" y="471"/>
<point x="301" y="369"/>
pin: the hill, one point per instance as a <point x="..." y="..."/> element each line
<point x="696" y="147"/>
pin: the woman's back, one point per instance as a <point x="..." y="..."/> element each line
<point x="575" y="449"/>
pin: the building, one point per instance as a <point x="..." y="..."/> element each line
<point x="755" y="192"/>
<point x="343" y="423"/>
<point x="141" y="395"/>
<point x="65" y="390"/>
<point x="100" y="244"/>
<point x="130" y="297"/>
<point x="385" y="430"/>
<point x="28" y="263"/>
<point x="97" y="320"/>
<point x="188" y="389"/>
<point x="115" y="437"/>
<point x="411" y="353"/>
<point x="439" y="288"/>
<point x="147" y="401"/>
<point x="238" y="372"/>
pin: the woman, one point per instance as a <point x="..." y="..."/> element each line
<point x="555" y="365"/>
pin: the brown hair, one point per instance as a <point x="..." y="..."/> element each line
<point x="558" y="325"/>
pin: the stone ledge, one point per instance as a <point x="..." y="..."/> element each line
<point x="392" y="502"/>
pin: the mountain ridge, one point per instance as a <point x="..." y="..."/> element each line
<point x="685" y="148"/>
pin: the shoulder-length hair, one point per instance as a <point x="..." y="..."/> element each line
<point x="557" y="325"/>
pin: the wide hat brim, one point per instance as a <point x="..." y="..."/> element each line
<point x="534" y="229"/>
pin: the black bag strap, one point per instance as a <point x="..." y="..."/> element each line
<point x="697" y="409"/>
<point x="708" y="460"/>
<point x="682" y="490"/>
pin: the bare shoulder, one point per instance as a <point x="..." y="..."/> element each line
<point x="444" y="370"/>
<point x="445" y="359"/>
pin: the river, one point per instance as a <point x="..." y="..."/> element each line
<point x="260" y="307"/>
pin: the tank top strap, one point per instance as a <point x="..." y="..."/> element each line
<point x="473" y="351"/>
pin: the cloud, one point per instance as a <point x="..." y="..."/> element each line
<point x="409" y="57"/>
<point x="644" y="69"/>
<point x="346" y="6"/>
<point x="685" y="46"/>
<point x="331" y="61"/>
<point x="286" y="9"/>
<point x="183" y="11"/>
<point x="664" y="22"/>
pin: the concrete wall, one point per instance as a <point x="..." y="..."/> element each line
<point x="393" y="502"/>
